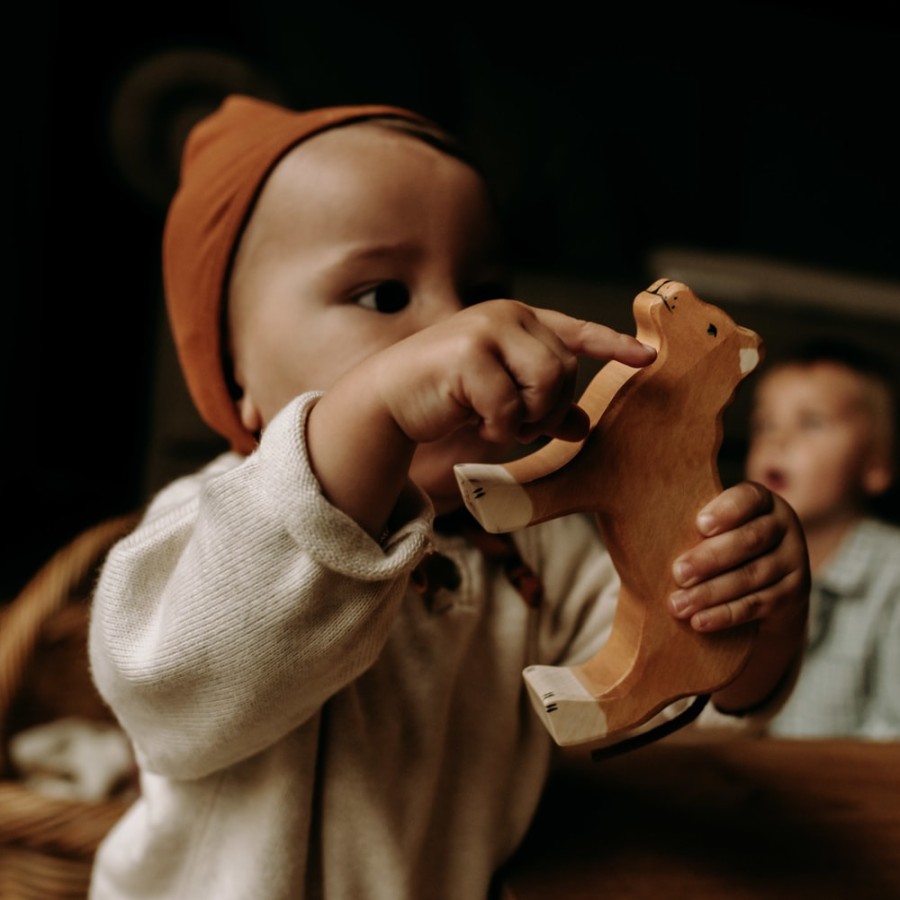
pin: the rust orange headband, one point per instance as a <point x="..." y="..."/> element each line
<point x="226" y="160"/>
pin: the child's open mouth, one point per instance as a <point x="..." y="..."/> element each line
<point x="775" y="480"/>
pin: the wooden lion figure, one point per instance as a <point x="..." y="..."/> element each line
<point x="645" y="469"/>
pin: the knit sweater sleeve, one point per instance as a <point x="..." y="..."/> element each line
<point x="241" y="603"/>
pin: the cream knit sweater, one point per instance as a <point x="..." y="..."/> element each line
<point x="306" y="725"/>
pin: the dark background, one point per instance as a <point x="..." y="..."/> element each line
<point x="756" y="128"/>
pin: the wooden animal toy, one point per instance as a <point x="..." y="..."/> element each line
<point x="645" y="469"/>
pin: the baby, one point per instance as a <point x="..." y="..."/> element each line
<point x="823" y="437"/>
<point x="317" y="709"/>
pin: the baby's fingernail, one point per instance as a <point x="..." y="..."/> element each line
<point x="684" y="574"/>
<point x="679" y="601"/>
<point x="707" y="524"/>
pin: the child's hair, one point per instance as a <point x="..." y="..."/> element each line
<point x="876" y="376"/>
<point x="227" y="158"/>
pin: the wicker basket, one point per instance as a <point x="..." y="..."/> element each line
<point x="47" y="845"/>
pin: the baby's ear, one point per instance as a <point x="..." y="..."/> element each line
<point x="251" y="418"/>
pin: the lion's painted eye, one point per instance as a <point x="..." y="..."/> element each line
<point x="712" y="330"/>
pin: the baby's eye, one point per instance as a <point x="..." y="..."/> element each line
<point x="488" y="290"/>
<point x="387" y="297"/>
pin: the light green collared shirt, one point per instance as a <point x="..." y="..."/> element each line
<point x="849" y="685"/>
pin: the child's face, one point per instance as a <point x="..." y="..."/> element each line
<point x="812" y="441"/>
<point x="361" y="237"/>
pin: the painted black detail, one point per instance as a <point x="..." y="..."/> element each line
<point x="648" y="737"/>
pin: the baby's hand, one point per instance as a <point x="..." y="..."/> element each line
<point x="751" y="565"/>
<point x="505" y="367"/>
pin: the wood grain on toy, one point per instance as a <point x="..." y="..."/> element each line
<point x="645" y="469"/>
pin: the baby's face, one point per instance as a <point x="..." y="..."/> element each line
<point x="812" y="441"/>
<point x="361" y="237"/>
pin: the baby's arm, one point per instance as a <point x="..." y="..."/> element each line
<point x="240" y="604"/>
<point x="751" y="565"/>
<point x="502" y="366"/>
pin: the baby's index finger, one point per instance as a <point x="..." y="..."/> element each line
<point x="586" y="338"/>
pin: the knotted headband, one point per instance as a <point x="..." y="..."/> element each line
<point x="227" y="158"/>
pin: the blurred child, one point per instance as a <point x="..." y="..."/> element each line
<point x="823" y="437"/>
<point x="322" y="680"/>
